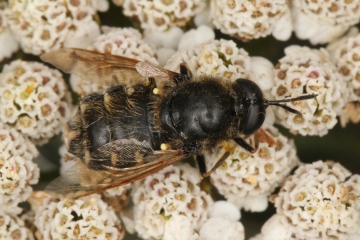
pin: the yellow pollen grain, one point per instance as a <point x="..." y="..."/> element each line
<point x="156" y="91"/>
<point x="252" y="180"/>
<point x="29" y="89"/>
<point x="164" y="146"/>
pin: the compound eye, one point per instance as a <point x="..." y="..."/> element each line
<point x="254" y="119"/>
<point x="253" y="106"/>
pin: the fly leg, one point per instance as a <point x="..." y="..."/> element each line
<point x="200" y="160"/>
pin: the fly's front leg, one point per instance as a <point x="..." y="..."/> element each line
<point x="184" y="75"/>
<point x="241" y="142"/>
<point x="200" y="160"/>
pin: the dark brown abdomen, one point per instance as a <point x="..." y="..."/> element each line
<point x="101" y="119"/>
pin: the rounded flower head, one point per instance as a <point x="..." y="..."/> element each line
<point x="247" y="179"/>
<point x="163" y="14"/>
<point x="85" y="218"/>
<point x="43" y="25"/>
<point x="309" y="71"/>
<point x="324" y="21"/>
<point x="223" y="223"/>
<point x="17" y="170"/>
<point x="345" y="53"/>
<point x="167" y="197"/>
<point x="321" y="200"/>
<point x="34" y="99"/>
<point x="218" y="58"/>
<point x="6" y="36"/>
<point x="12" y="227"/>
<point x="125" y="42"/>
<point x="252" y="19"/>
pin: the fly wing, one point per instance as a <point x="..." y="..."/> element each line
<point x="81" y="180"/>
<point x="103" y="68"/>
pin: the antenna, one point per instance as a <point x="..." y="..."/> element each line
<point x="277" y="102"/>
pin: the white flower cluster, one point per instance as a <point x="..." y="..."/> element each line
<point x="162" y="15"/>
<point x="6" y="36"/>
<point x="116" y="41"/>
<point x="252" y="19"/>
<point x="345" y="53"/>
<point x="84" y="218"/>
<point x="223" y="223"/>
<point x="169" y="41"/>
<point x="218" y="58"/>
<point x="17" y="170"/>
<point x="247" y="179"/>
<point x="34" y="99"/>
<point x="324" y="21"/>
<point x="12" y="227"/>
<point x="170" y="203"/>
<point x="320" y="201"/>
<point x="309" y="71"/>
<point x="42" y="25"/>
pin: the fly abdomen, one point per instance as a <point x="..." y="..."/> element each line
<point x="104" y="120"/>
<point x="96" y="125"/>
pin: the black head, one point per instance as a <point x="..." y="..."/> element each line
<point x="251" y="105"/>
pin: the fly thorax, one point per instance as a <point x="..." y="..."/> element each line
<point x="201" y="110"/>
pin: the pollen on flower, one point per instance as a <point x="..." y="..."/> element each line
<point x="44" y="25"/>
<point x="162" y="15"/>
<point x="126" y="42"/>
<point x="84" y="218"/>
<point x="248" y="20"/>
<point x="309" y="71"/>
<point x="321" y="200"/>
<point x="248" y="179"/>
<point x="33" y="99"/>
<point x="17" y="170"/>
<point x="170" y="196"/>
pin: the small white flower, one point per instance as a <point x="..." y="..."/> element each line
<point x="162" y="15"/>
<point x="345" y="54"/>
<point x="6" y="36"/>
<point x="318" y="201"/>
<point x="164" y="39"/>
<point x="245" y="179"/>
<point x="221" y="228"/>
<point x="43" y="25"/>
<point x="274" y="229"/>
<point x="87" y="217"/>
<point x="34" y="99"/>
<point x="196" y="37"/>
<point x="309" y="71"/>
<point x="225" y="210"/>
<point x="323" y="22"/>
<point x="219" y="58"/>
<point x="252" y="19"/>
<point x="17" y="170"/>
<point x="161" y="198"/>
<point x="12" y="227"/>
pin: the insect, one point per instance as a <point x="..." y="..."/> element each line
<point x="131" y="131"/>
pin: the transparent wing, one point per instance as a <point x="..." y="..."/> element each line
<point x="80" y="181"/>
<point x="98" y="67"/>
